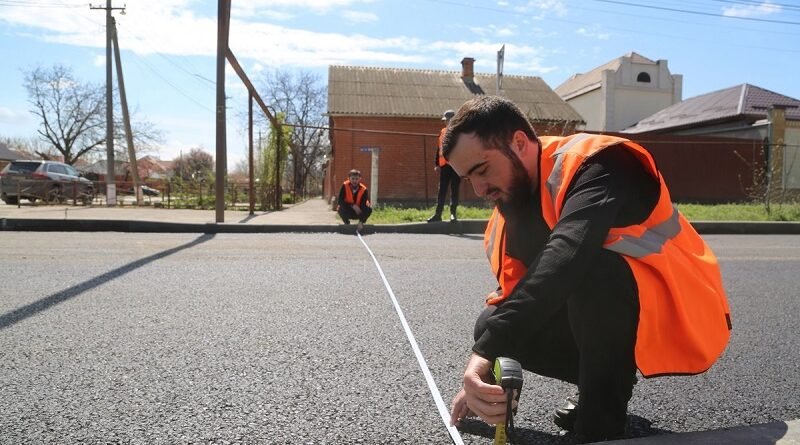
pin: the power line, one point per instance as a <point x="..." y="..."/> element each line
<point x="29" y="4"/>
<point x="758" y="3"/>
<point x="686" y="11"/>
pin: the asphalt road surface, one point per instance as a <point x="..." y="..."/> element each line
<point x="293" y="338"/>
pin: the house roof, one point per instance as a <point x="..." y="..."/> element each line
<point x="585" y="82"/>
<point x="7" y="154"/>
<point x="369" y="91"/>
<point x="741" y="101"/>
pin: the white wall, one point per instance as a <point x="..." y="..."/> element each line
<point x="634" y="105"/>
<point x="590" y="107"/>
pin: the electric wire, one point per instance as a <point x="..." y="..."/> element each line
<point x="686" y="11"/>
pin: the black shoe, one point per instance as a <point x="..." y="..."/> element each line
<point x="566" y="414"/>
<point x="435" y="218"/>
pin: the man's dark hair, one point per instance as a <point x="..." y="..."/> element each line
<point x="493" y="119"/>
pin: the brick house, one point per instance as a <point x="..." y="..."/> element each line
<point x="388" y="120"/>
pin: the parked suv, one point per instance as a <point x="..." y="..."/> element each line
<point x="50" y="181"/>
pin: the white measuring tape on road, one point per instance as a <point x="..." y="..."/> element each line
<point x="437" y="397"/>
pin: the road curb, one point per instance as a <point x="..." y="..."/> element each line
<point x="461" y="227"/>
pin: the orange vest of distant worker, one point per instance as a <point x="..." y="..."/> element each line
<point x="348" y="193"/>
<point x="442" y="160"/>
<point x="684" y="318"/>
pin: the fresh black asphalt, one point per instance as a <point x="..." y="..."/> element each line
<point x="291" y="338"/>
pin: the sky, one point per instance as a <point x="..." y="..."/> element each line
<point x="169" y="47"/>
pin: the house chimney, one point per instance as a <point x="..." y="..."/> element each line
<point x="467" y="69"/>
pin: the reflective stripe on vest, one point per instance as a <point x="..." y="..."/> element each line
<point x="651" y="241"/>
<point x="348" y="193"/>
<point x="684" y="318"/>
<point x="442" y="160"/>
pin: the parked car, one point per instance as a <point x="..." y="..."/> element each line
<point x="146" y="191"/>
<point x="50" y="181"/>
<point x="150" y="191"/>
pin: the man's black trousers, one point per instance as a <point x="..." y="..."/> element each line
<point x="589" y="342"/>
<point x="448" y="178"/>
<point x="347" y="213"/>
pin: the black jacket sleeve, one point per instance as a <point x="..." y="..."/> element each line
<point x="340" y="199"/>
<point x="611" y="189"/>
<point x="364" y="198"/>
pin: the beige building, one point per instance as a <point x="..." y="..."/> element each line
<point x="619" y="93"/>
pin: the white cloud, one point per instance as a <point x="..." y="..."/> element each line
<point x="359" y="16"/>
<point x="255" y="7"/>
<point x="765" y="8"/>
<point x="9" y="116"/>
<point x="541" y="8"/>
<point x="495" y="30"/>
<point x="593" y="33"/>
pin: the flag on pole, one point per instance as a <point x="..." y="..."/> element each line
<point x="500" y="56"/>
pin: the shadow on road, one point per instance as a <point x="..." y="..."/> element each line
<point x="34" y="308"/>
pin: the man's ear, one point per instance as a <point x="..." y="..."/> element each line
<point x="519" y="142"/>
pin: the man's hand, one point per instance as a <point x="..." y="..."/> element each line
<point x="485" y="400"/>
<point x="459" y="409"/>
<point x="357" y="209"/>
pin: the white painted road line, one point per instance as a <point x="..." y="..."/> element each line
<point x="437" y="397"/>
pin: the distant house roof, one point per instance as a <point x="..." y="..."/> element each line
<point x="369" y="91"/>
<point x="589" y="81"/>
<point x="743" y="101"/>
<point x="7" y="154"/>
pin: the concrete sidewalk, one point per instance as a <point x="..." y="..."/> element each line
<point x="314" y="215"/>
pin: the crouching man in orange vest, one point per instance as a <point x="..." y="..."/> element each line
<point x="599" y="274"/>
<point x="353" y="200"/>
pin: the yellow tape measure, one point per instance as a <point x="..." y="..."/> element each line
<point x="508" y="374"/>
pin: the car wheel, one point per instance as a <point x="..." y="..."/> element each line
<point x="11" y="199"/>
<point x="54" y="196"/>
<point x="32" y="199"/>
<point x="88" y="197"/>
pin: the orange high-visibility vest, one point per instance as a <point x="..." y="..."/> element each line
<point x="348" y="193"/>
<point x="684" y="318"/>
<point x="507" y="269"/>
<point x="442" y="160"/>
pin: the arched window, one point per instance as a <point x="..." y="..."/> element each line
<point x="643" y="77"/>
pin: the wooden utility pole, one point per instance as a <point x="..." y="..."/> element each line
<point x="123" y="101"/>
<point x="223" y="26"/>
<point x="111" y="186"/>
<point x="251" y="167"/>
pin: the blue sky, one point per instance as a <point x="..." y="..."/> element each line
<point x="169" y="47"/>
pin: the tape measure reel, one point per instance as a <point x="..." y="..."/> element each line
<point x="507" y="373"/>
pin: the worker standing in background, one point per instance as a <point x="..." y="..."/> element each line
<point x="447" y="177"/>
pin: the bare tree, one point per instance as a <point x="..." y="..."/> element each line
<point x="72" y="116"/>
<point x="302" y="98"/>
<point x="71" y="112"/>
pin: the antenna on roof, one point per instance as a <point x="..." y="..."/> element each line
<point x="500" y="57"/>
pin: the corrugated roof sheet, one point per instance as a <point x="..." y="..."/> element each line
<point x="369" y="91"/>
<point x="7" y="154"/>
<point x="740" y="100"/>
<point x="591" y="80"/>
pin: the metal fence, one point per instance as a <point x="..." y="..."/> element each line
<point x="166" y="194"/>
